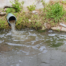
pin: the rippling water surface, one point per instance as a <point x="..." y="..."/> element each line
<point x="31" y="48"/>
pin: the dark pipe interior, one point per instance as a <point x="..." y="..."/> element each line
<point x="12" y="18"/>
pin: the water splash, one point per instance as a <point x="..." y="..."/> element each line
<point x="13" y="28"/>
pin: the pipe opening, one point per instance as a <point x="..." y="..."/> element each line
<point x="12" y="19"/>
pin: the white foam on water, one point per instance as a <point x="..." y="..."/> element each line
<point x="42" y="48"/>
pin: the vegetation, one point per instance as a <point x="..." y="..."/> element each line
<point x="9" y="10"/>
<point x="3" y="23"/>
<point x="16" y="8"/>
<point x="51" y="13"/>
<point x="31" y="7"/>
<point x="55" y="12"/>
<point x="29" y="20"/>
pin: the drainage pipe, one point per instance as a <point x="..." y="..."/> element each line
<point x="10" y="18"/>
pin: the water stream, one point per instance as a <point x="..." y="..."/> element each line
<point x="29" y="47"/>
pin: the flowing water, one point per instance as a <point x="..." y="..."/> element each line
<point x="28" y="47"/>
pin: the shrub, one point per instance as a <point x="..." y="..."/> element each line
<point x="55" y="12"/>
<point x="10" y="10"/>
<point x="18" y="6"/>
<point x="31" y="7"/>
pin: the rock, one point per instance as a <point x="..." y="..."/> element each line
<point x="46" y="26"/>
<point x="59" y="28"/>
<point x="2" y="13"/>
<point x="29" y="20"/>
<point x="62" y="24"/>
<point x="34" y="12"/>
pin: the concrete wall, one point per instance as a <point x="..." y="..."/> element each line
<point x="27" y="3"/>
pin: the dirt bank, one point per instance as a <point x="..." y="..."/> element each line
<point x="35" y="19"/>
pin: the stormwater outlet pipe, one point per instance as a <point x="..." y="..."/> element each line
<point x="11" y="18"/>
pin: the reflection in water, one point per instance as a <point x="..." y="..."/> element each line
<point x="26" y="45"/>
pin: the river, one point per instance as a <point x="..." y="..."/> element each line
<point x="32" y="48"/>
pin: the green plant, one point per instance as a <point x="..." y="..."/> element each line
<point x="10" y="10"/>
<point x="31" y="7"/>
<point x="2" y="24"/>
<point x="38" y="24"/>
<point x="16" y="14"/>
<point x="17" y="5"/>
<point x="44" y="4"/>
<point x="55" y="12"/>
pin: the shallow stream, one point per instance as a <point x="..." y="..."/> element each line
<point x="32" y="48"/>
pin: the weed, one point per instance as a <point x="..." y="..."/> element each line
<point x="35" y="16"/>
<point x="38" y="24"/>
<point x="17" y="6"/>
<point x="55" y="12"/>
<point x="2" y="24"/>
<point x="16" y="14"/>
<point x="9" y="10"/>
<point x="31" y="7"/>
<point x="44" y="4"/>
